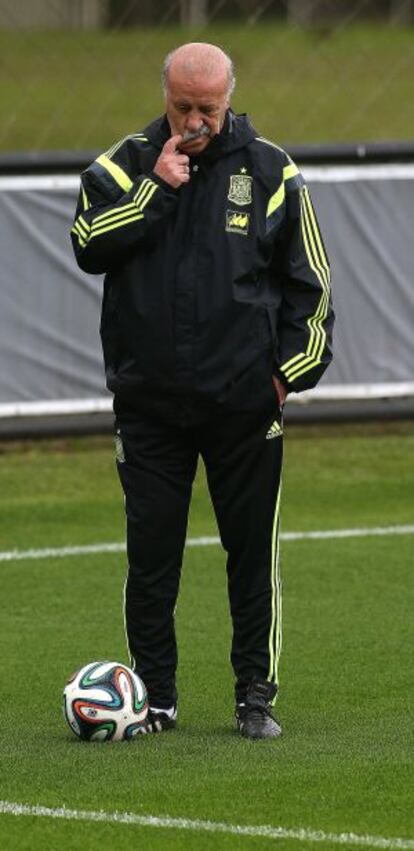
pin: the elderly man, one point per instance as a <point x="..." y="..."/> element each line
<point x="216" y="305"/>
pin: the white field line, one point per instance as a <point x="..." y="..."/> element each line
<point x="206" y="541"/>
<point x="301" y="834"/>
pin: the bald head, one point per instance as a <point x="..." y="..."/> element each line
<point x="199" y="61"/>
<point x="198" y="80"/>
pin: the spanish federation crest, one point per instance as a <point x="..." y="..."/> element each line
<point x="240" y="191"/>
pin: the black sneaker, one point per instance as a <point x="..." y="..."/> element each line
<point x="254" y="718"/>
<point x="159" y="720"/>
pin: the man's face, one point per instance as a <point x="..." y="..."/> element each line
<point x="192" y="102"/>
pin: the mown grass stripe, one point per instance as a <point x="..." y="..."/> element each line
<point x="204" y="541"/>
<point x="301" y="834"/>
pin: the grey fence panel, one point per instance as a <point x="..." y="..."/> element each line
<point x="49" y="309"/>
<point x="368" y="228"/>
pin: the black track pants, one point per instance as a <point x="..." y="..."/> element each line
<point x="157" y="463"/>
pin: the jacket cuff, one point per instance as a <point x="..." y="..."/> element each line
<point x="163" y="183"/>
<point x="283" y="380"/>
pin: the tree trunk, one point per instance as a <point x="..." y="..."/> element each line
<point x="401" y="11"/>
<point x="193" y="13"/>
<point x="300" y="12"/>
<point x="307" y="13"/>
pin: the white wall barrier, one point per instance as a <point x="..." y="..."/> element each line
<point x="49" y="310"/>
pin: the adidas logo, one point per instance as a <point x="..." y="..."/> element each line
<point x="275" y="430"/>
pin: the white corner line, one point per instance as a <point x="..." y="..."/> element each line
<point x="369" y="531"/>
<point x="300" y="834"/>
<point x="204" y="541"/>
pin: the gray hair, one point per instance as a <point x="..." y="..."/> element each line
<point x="166" y="67"/>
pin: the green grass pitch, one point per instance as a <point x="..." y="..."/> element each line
<point x="344" y="762"/>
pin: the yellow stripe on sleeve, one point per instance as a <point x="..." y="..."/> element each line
<point x="138" y="136"/>
<point x="105" y="227"/>
<point x="290" y="171"/>
<point x="145" y="193"/>
<point x="294" y="360"/>
<point x="142" y="189"/>
<point x="110" y="214"/>
<point x="318" y="262"/>
<point x="122" y="217"/>
<point x="119" y="175"/>
<point x="152" y="189"/>
<point x="77" y="232"/>
<point x="322" y="267"/>
<point x="314" y="264"/>
<point x="82" y="226"/>
<point x="85" y="200"/>
<point x="302" y="366"/>
<point x="278" y="198"/>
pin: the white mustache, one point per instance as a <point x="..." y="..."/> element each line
<point x="202" y="131"/>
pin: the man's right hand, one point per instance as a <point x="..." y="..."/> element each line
<point x="280" y="390"/>
<point x="172" y="166"/>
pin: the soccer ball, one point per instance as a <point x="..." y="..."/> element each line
<point x="105" y="701"/>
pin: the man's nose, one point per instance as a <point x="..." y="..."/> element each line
<point x="194" y="121"/>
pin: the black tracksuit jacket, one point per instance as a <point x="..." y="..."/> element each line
<point x="209" y="288"/>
